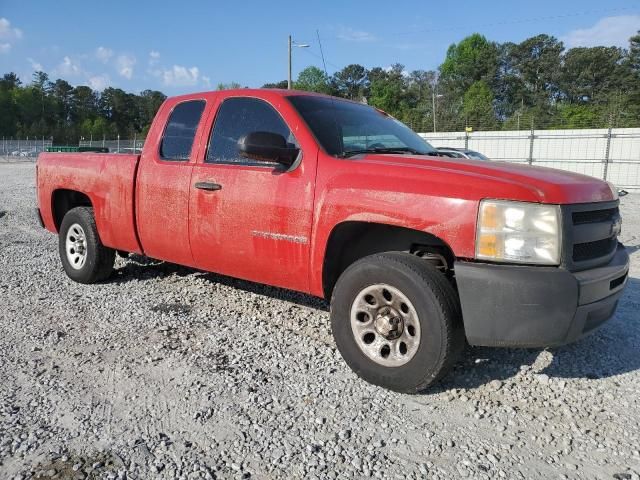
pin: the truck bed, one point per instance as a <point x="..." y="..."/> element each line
<point x="108" y="180"/>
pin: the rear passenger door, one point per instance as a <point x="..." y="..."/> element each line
<point x="163" y="183"/>
<point x="256" y="225"/>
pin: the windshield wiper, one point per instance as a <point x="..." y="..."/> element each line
<point x="351" y="153"/>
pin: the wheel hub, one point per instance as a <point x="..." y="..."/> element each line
<point x="385" y="325"/>
<point x="389" y="323"/>
<point x="76" y="246"/>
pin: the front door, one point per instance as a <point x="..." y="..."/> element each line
<point x="250" y="219"/>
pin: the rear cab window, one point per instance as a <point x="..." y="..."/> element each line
<point x="180" y="131"/>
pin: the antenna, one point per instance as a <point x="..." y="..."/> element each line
<point x="322" y="54"/>
<point x="333" y="110"/>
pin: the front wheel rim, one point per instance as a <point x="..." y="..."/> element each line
<point x="76" y="246"/>
<point x="385" y="325"/>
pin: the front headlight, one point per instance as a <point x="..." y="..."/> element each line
<point x="518" y="232"/>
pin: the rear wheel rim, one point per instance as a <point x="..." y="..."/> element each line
<point x="76" y="246"/>
<point x="385" y="325"/>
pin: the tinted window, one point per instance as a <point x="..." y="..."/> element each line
<point x="237" y="117"/>
<point x="180" y="131"/>
<point x="341" y="126"/>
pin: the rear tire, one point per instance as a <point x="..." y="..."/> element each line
<point x="397" y="321"/>
<point x="84" y="258"/>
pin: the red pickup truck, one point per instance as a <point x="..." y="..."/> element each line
<point x="416" y="253"/>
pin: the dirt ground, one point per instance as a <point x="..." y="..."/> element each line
<point x="166" y="372"/>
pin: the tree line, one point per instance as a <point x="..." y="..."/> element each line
<point x="481" y="85"/>
<point x="486" y="85"/>
<point x="58" y="110"/>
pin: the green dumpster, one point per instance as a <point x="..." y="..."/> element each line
<point x="73" y="148"/>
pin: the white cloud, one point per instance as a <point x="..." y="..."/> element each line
<point x="124" y="65"/>
<point x="7" y="32"/>
<point x="99" y="82"/>
<point x="353" y="35"/>
<point x="36" y="66"/>
<point x="179" y="76"/>
<point x="68" y="67"/>
<point x="206" y="81"/>
<point x="104" y="54"/>
<point x="154" y="57"/>
<point x="608" y="31"/>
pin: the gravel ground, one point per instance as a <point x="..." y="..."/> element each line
<point x="166" y="372"/>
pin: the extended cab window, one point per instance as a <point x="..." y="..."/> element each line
<point x="236" y="117"/>
<point x="181" y="130"/>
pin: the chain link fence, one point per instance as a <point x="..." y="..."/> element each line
<point x="22" y="150"/>
<point x="119" y="145"/>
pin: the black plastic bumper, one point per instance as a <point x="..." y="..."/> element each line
<point x="510" y="305"/>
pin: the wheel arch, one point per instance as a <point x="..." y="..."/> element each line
<point x="63" y="200"/>
<point x="350" y="241"/>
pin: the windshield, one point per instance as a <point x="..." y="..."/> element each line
<point x="344" y="128"/>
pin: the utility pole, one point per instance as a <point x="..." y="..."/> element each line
<point x="433" y="101"/>
<point x="293" y="44"/>
<point x="433" y="106"/>
<point x="289" y="78"/>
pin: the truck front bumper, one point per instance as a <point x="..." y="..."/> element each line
<point x="524" y="306"/>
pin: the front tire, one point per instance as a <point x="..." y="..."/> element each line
<point x="84" y="258"/>
<point x="396" y="321"/>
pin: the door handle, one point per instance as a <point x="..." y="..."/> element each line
<point x="209" y="186"/>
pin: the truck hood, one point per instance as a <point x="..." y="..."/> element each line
<point x="546" y="185"/>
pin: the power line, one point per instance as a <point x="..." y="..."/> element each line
<point x="312" y="53"/>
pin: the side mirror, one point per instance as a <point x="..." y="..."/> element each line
<point x="267" y="147"/>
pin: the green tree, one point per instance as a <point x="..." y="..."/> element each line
<point x="312" y="79"/>
<point x="478" y="106"/>
<point x="118" y="108"/>
<point x="149" y="102"/>
<point x="387" y="91"/>
<point x="419" y="88"/>
<point x="590" y="75"/>
<point x="84" y="104"/>
<point x="282" y="84"/>
<point x="228" y="86"/>
<point x="629" y="108"/>
<point x="351" y="82"/>
<point x="9" y="83"/>
<point x="536" y="64"/>
<point x="580" y="116"/>
<point x="473" y="59"/>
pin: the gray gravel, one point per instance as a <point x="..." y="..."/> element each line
<point x="165" y="372"/>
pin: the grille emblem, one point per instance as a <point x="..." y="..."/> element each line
<point x="616" y="227"/>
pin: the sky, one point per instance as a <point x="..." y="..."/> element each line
<point x="187" y="46"/>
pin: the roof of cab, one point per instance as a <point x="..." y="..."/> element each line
<point x="251" y="91"/>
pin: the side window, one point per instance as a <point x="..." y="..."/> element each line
<point x="236" y="117"/>
<point x="180" y="130"/>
